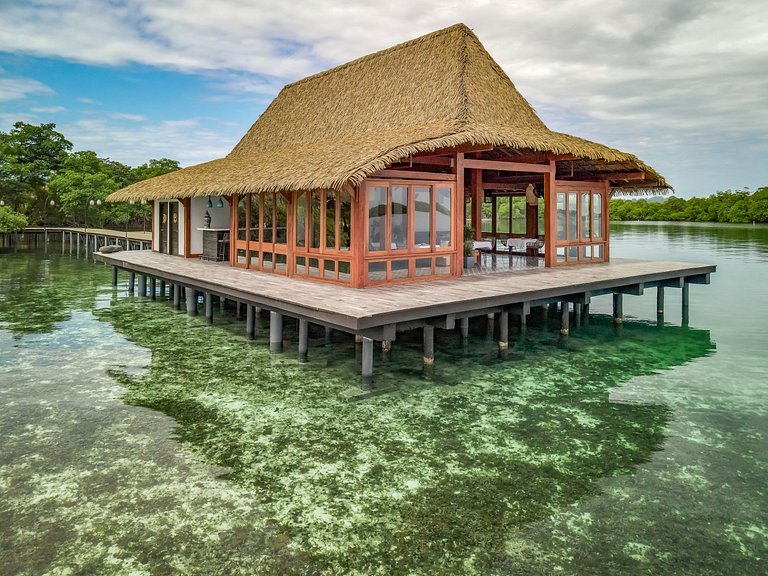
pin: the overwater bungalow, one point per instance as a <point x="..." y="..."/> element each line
<point x="366" y="174"/>
<point x="370" y="174"/>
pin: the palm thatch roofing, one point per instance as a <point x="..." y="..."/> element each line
<point x="337" y="127"/>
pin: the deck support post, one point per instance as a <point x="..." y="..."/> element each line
<point x="162" y="289"/>
<point x="504" y="329"/>
<point x="577" y="314"/>
<point x="177" y="297"/>
<point x="153" y="287"/>
<point x="249" y="321"/>
<point x="464" y="328"/>
<point x="222" y="304"/>
<point x="256" y="317"/>
<point x="490" y="325"/>
<point x="191" y="300"/>
<point x="429" y="345"/>
<point x="686" y="294"/>
<point x="209" y="307"/>
<point x="523" y="323"/>
<point x="565" y="318"/>
<point x="660" y="299"/>
<point x="275" y="332"/>
<point x="303" y="340"/>
<point x="78" y="245"/>
<point x="142" y="284"/>
<point x="367" y="364"/>
<point x="131" y="282"/>
<point x="114" y="275"/>
<point x="585" y="313"/>
<point x="328" y="334"/>
<point x="618" y="308"/>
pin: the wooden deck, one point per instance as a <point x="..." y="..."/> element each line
<point x="392" y="308"/>
<point x="131" y="235"/>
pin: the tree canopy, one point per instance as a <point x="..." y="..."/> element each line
<point x="42" y="180"/>
<point x="734" y="206"/>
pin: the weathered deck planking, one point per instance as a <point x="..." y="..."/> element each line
<point x="359" y="310"/>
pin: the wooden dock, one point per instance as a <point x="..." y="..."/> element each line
<point x="87" y="239"/>
<point x="379" y="313"/>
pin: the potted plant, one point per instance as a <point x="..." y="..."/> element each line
<point x="469" y="251"/>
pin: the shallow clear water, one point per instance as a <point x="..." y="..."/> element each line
<point x="137" y="440"/>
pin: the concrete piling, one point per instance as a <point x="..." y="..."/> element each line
<point x="275" y="332"/>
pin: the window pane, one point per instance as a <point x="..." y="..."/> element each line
<point x="572" y="212"/>
<point x="281" y="262"/>
<point x="561" y="215"/>
<point x="442" y="265"/>
<point x="344" y="271"/>
<point x="314" y="222"/>
<point x="399" y="218"/>
<point x="254" y="259"/>
<point x="422" y="234"/>
<point x="314" y="267"/>
<point x="585" y="197"/>
<point x="597" y="218"/>
<point x="242" y="214"/>
<point x="423" y="266"/>
<point x="345" y="223"/>
<point x="330" y="220"/>
<point x="241" y="257"/>
<point x="443" y="217"/>
<point x="518" y="215"/>
<point x="267" y="235"/>
<point x="301" y="265"/>
<point x="329" y="266"/>
<point x="560" y="252"/>
<point x="400" y="269"/>
<point x="597" y="251"/>
<point x="502" y="214"/>
<point x="377" y="216"/>
<point x="281" y="219"/>
<point x="377" y="271"/>
<point x="266" y="261"/>
<point x="254" y="233"/>
<point x="301" y="220"/>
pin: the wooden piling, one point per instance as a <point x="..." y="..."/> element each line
<point x="429" y="345"/>
<point x="686" y="294"/>
<point x="275" y="332"/>
<point x="208" y="307"/>
<point x="503" y="330"/>
<point x="464" y="327"/>
<point x="618" y="308"/>
<point x="131" y="281"/>
<point x="249" y="321"/>
<point x="303" y="340"/>
<point x="660" y="299"/>
<point x="177" y="297"/>
<point x="153" y="287"/>
<point x="565" y="318"/>
<point x="191" y="300"/>
<point x="142" y="284"/>
<point x="114" y="275"/>
<point x="367" y="363"/>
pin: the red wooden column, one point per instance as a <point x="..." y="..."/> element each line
<point x="550" y="214"/>
<point x="606" y="219"/>
<point x="476" y="186"/>
<point x="459" y="218"/>
<point x="357" y="240"/>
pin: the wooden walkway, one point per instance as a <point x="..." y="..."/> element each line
<point x="359" y="310"/>
<point x="131" y="235"/>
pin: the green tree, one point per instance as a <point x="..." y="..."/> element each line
<point x="155" y="168"/>
<point x="29" y="156"/>
<point x="10" y="221"/>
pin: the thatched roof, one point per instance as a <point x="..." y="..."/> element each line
<point x="337" y="127"/>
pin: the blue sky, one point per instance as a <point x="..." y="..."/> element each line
<point x="680" y="83"/>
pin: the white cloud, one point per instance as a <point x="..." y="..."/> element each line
<point x="15" y="88"/>
<point x="47" y="109"/>
<point x="672" y="72"/>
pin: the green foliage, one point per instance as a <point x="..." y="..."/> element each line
<point x="10" y="221"/>
<point x="729" y="206"/>
<point x="41" y="179"/>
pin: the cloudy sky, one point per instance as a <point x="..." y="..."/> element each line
<point x="681" y="83"/>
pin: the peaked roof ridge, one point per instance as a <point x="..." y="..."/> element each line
<point x="458" y="27"/>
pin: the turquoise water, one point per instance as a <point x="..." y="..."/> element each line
<point x="137" y="440"/>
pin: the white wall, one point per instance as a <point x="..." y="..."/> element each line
<point x="219" y="219"/>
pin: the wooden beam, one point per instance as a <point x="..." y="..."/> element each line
<point x="508" y="166"/>
<point x="413" y="175"/>
<point x="459" y="216"/>
<point x="549" y="217"/>
<point x="625" y="176"/>
<point x="504" y="186"/>
<point x="463" y="149"/>
<point x="433" y="160"/>
<point x="476" y="187"/>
